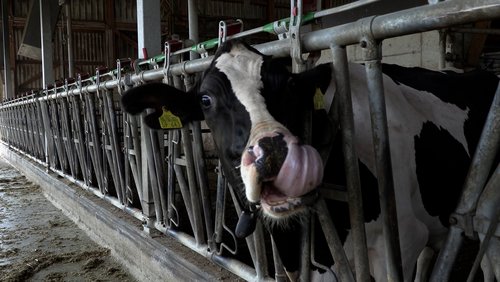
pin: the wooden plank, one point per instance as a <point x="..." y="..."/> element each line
<point x="477" y="44"/>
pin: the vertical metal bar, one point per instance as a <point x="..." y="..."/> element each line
<point x="94" y="143"/>
<point x="46" y="42"/>
<point x="477" y="176"/>
<point x="383" y="164"/>
<point x="148" y="39"/>
<point x="199" y="160"/>
<point x="161" y="200"/>
<point x="117" y="160"/>
<point x="66" y="137"/>
<point x="47" y="61"/>
<point x="69" y="38"/>
<point x="56" y="133"/>
<point x="8" y="81"/>
<point x="250" y="240"/>
<point x="305" y="245"/>
<point x="44" y="113"/>
<point x="146" y="197"/>
<point x="193" y="187"/>
<point x="260" y="261"/>
<point x="193" y="26"/>
<point x="279" y="271"/>
<point x="135" y="154"/>
<point x="333" y="240"/>
<point x="153" y="177"/>
<point x="171" y="182"/>
<point x="220" y="202"/>
<point x="346" y="117"/>
<point x="148" y="27"/>
<point x="181" y="180"/>
<point x="488" y="208"/>
<point x="78" y="138"/>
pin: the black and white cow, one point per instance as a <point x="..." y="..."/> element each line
<point x="255" y="109"/>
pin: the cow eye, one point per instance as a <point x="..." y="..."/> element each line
<point x="206" y="101"/>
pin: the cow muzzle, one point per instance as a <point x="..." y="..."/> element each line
<point x="278" y="171"/>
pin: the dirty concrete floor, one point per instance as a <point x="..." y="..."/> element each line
<point x="39" y="243"/>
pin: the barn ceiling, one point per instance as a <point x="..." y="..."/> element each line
<point x="104" y="30"/>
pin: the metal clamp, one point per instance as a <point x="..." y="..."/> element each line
<point x="169" y="47"/>
<point x="228" y="28"/>
<point x="294" y="33"/>
<point x="280" y="28"/>
<point x="202" y="50"/>
<point x="464" y="222"/>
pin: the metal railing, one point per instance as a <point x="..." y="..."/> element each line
<point x="78" y="130"/>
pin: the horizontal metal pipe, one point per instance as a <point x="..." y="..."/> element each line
<point x="419" y="19"/>
<point x="242" y="270"/>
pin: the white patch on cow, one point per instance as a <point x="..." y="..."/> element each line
<point x="242" y="68"/>
<point x="445" y="115"/>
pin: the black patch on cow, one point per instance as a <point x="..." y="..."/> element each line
<point x="442" y="165"/>
<point x="335" y="173"/>
<point x="472" y="90"/>
<point x="274" y="155"/>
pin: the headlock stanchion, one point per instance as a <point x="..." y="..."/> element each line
<point x="77" y="130"/>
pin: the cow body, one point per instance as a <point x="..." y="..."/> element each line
<point x="255" y="109"/>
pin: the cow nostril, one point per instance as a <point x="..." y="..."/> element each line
<point x="250" y="151"/>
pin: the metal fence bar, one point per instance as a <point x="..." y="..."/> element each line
<point x="346" y="117"/>
<point x="66" y="136"/>
<point x="489" y="210"/>
<point x="115" y="160"/>
<point x="94" y="144"/>
<point x="383" y="163"/>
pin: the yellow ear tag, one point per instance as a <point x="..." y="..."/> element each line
<point x="319" y="103"/>
<point x="169" y="121"/>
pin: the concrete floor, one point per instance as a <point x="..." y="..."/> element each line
<point x="147" y="257"/>
<point x="39" y="243"/>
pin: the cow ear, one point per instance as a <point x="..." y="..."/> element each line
<point x="320" y="75"/>
<point x="160" y="97"/>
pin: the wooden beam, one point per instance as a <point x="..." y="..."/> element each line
<point x="110" y="29"/>
<point x="477" y="44"/>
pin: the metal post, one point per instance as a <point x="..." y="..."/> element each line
<point x="193" y="26"/>
<point x="9" y="83"/>
<point x="46" y="40"/>
<point x="383" y="164"/>
<point x="47" y="61"/>
<point x="346" y="116"/>
<point x="148" y="27"/>
<point x="69" y="38"/>
<point x="149" y="42"/>
<point x="488" y="210"/>
<point x="333" y="240"/>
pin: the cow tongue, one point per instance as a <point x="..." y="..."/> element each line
<point x="301" y="172"/>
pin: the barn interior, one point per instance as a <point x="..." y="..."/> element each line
<point x="65" y="65"/>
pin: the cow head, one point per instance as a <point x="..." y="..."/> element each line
<point x="255" y="109"/>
